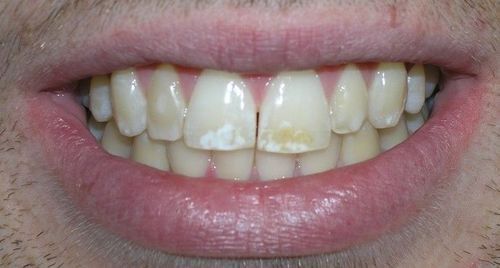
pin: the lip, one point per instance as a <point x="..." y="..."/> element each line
<point x="215" y="218"/>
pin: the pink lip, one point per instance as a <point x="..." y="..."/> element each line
<point x="208" y="217"/>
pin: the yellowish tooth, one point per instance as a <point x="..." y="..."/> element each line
<point x="272" y="166"/>
<point x="414" y="122"/>
<point x="349" y="101"/>
<point x="166" y="105"/>
<point x="387" y="95"/>
<point x="431" y="79"/>
<point x="187" y="161"/>
<point x="129" y="102"/>
<point x="221" y="114"/>
<point x="416" y="89"/>
<point x="359" y="146"/>
<point x="321" y="160"/>
<point x="390" y="137"/>
<point x="114" y="142"/>
<point x="96" y="128"/>
<point x="234" y="164"/>
<point x="150" y="152"/>
<point x="294" y="115"/>
<point x="99" y="97"/>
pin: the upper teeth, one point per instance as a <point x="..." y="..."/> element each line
<point x="303" y="122"/>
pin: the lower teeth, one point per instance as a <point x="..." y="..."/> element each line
<point x="306" y="125"/>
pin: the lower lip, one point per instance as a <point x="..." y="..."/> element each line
<point x="215" y="218"/>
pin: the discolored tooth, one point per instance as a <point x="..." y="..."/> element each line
<point x="425" y="113"/>
<point x="166" y="105"/>
<point x="359" y="146"/>
<point x="416" y="89"/>
<point x="414" y="122"/>
<point x="187" y="161"/>
<point x="114" y="142"/>
<point x="221" y="113"/>
<point x="129" y="102"/>
<point x="294" y="115"/>
<point x="150" y="152"/>
<point x="96" y="128"/>
<point x="431" y="79"/>
<point x="100" y="100"/>
<point x="387" y="95"/>
<point x="272" y="166"/>
<point x="321" y="160"/>
<point x="233" y="164"/>
<point x="349" y="101"/>
<point x="390" y="137"/>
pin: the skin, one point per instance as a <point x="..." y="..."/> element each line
<point x="39" y="226"/>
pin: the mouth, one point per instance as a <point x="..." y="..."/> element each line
<point x="209" y="138"/>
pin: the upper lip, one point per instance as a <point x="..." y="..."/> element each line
<point x="301" y="216"/>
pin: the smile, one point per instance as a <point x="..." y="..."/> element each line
<point x="284" y="140"/>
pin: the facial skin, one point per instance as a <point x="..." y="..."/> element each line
<point x="40" y="227"/>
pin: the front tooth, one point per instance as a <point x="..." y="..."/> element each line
<point x="129" y="102"/>
<point x="150" y="152"/>
<point x="349" y="101"/>
<point x="166" y="105"/>
<point x="390" y="137"/>
<point x="414" y="122"/>
<point x="96" y="128"/>
<point x="294" y="115"/>
<point x="416" y="89"/>
<point x="321" y="160"/>
<point x="387" y="95"/>
<point x="221" y="113"/>
<point x="114" y="142"/>
<point x="274" y="165"/>
<point x="234" y="164"/>
<point x="359" y="146"/>
<point x="431" y="79"/>
<point x="187" y="161"/>
<point x="100" y="101"/>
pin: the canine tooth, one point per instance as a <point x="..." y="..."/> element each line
<point x="321" y="160"/>
<point x="416" y="89"/>
<point x="390" y="137"/>
<point x="166" y="105"/>
<point x="114" y="142"/>
<point x="294" y="115"/>
<point x="129" y="102"/>
<point x="274" y="165"/>
<point x="349" y="101"/>
<point x="150" y="152"/>
<point x="414" y="122"/>
<point x="221" y="113"/>
<point x="187" y="161"/>
<point x="100" y="100"/>
<point x="431" y="79"/>
<point x="233" y="164"/>
<point x="387" y="95"/>
<point x="359" y="146"/>
<point x="96" y="128"/>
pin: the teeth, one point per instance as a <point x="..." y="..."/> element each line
<point x="387" y="95"/>
<point x="187" y="161"/>
<point x="221" y="113"/>
<point x="234" y="164"/>
<point x="431" y="79"/>
<point x="349" y="101"/>
<point x="96" y="128"/>
<point x="129" y="103"/>
<point x="166" y="105"/>
<point x="100" y="101"/>
<point x="321" y="160"/>
<point x="359" y="146"/>
<point x="115" y="143"/>
<point x="274" y="166"/>
<point x="390" y="137"/>
<point x="294" y="115"/>
<point x="150" y="152"/>
<point x="416" y="89"/>
<point x="414" y="122"/>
